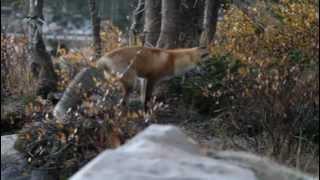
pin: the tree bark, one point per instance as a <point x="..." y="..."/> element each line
<point x="95" y="20"/>
<point x="152" y="22"/>
<point x="192" y="20"/>
<point x="210" y="21"/>
<point x="170" y="24"/>
<point x="136" y="22"/>
<point x="40" y="61"/>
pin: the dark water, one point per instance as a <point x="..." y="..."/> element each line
<point x="67" y="16"/>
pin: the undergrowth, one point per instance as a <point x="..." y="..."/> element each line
<point x="262" y="87"/>
<point x="260" y="91"/>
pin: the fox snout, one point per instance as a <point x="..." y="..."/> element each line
<point x="204" y="53"/>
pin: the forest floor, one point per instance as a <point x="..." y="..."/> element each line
<point x="203" y="129"/>
<point x="197" y="126"/>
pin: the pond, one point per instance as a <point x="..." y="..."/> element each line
<point x="67" y="16"/>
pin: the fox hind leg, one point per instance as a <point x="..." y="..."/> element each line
<point x="149" y="89"/>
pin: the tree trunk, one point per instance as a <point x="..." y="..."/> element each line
<point x="95" y="20"/>
<point x="40" y="61"/>
<point x="152" y="22"/>
<point x="210" y="21"/>
<point x="136" y="22"/>
<point x="170" y="24"/>
<point x="192" y="20"/>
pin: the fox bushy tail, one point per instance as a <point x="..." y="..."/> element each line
<point x="84" y="82"/>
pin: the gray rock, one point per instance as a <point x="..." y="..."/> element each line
<point x="165" y="153"/>
<point x="12" y="110"/>
<point x="13" y="165"/>
<point x="263" y="168"/>
<point x="160" y="152"/>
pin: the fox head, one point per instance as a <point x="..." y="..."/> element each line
<point x="204" y="53"/>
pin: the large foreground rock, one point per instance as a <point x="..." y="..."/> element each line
<point x="165" y="153"/>
<point x="13" y="165"/>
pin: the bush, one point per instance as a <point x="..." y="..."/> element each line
<point x="98" y="123"/>
<point x="15" y="78"/>
<point x="196" y="88"/>
<point x="16" y="82"/>
<point x="263" y="85"/>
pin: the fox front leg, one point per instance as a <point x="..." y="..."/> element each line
<point x="143" y="90"/>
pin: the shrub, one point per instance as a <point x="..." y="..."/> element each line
<point x="263" y="85"/>
<point x="197" y="87"/>
<point x="99" y="122"/>
<point x="15" y="78"/>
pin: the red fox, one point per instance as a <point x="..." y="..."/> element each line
<point x="131" y="63"/>
<point x="150" y="64"/>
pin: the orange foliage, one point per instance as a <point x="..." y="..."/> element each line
<point x="289" y="27"/>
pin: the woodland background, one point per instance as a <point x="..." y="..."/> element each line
<point x="259" y="93"/>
